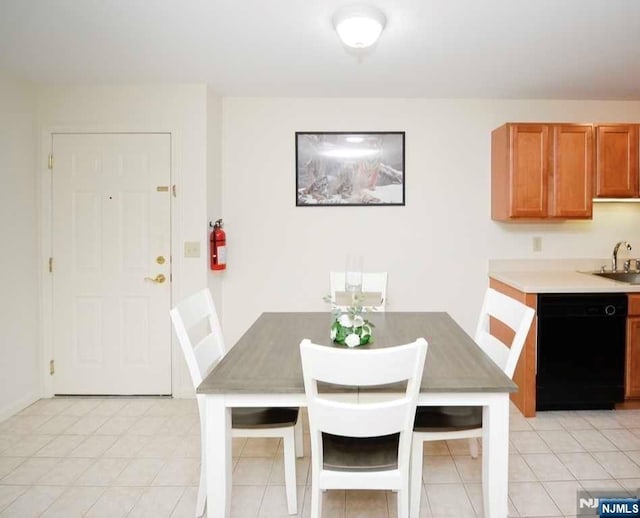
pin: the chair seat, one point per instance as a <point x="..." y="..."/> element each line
<point x="263" y="417"/>
<point x="360" y="453"/>
<point x="447" y="418"/>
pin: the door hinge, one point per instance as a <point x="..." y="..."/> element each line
<point x="50" y="264"/>
<point x="50" y="161"/>
<point x="52" y="367"/>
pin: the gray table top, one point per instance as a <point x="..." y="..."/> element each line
<point x="266" y="359"/>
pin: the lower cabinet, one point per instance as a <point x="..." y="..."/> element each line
<point x="525" y="373"/>
<point x="632" y="373"/>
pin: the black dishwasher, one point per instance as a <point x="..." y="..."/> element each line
<point x="581" y="350"/>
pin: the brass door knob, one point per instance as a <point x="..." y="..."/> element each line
<point x="159" y="279"/>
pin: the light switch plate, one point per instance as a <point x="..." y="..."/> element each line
<point x="192" y="248"/>
<point x="537" y="244"/>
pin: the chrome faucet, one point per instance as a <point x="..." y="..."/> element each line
<point x="614" y="257"/>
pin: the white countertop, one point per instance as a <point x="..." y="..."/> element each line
<point x="565" y="281"/>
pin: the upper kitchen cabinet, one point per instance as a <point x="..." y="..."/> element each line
<point x="571" y="184"/>
<point x="616" y="161"/>
<point x="541" y="171"/>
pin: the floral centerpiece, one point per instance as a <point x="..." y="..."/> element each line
<point x="349" y="327"/>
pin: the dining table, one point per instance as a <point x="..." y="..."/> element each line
<point x="264" y="369"/>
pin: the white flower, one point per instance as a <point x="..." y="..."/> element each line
<point x="352" y="340"/>
<point x="358" y="321"/>
<point x="334" y="332"/>
<point x="345" y="320"/>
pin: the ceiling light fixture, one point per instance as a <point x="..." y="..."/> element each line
<point x="359" y="26"/>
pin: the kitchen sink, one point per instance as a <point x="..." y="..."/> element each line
<point x="628" y="277"/>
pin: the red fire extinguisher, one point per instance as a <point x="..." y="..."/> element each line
<point x="218" y="246"/>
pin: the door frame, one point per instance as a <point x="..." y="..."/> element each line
<point x="45" y="239"/>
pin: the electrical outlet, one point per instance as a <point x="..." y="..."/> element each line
<point x="537" y="244"/>
<point x="192" y="248"/>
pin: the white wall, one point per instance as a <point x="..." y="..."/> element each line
<point x="214" y="187"/>
<point x="236" y="158"/>
<point x="19" y="312"/>
<point x="179" y="109"/>
<point x="436" y="248"/>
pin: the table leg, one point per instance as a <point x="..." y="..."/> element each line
<point x="495" y="457"/>
<point x="218" y="459"/>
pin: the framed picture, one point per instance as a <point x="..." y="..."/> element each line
<point x="351" y="168"/>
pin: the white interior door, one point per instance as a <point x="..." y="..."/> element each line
<point x="111" y="236"/>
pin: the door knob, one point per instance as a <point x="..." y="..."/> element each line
<point x="158" y="278"/>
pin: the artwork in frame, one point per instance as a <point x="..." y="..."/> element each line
<point x="349" y="168"/>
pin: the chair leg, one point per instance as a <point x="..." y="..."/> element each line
<point x="415" y="477"/>
<point x="298" y="435"/>
<point x="316" y="501"/>
<point x="290" y="471"/>
<point x="402" y="497"/>
<point x="202" y="489"/>
<point x="473" y="447"/>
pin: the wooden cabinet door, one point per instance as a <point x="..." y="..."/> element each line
<point x="572" y="172"/>
<point x="617" y="161"/>
<point x="529" y="170"/>
<point x="632" y="375"/>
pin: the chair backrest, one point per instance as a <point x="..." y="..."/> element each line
<point x="372" y="282"/>
<point x="349" y="367"/>
<point x="511" y="313"/>
<point x="196" y="316"/>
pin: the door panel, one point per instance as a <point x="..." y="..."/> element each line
<point x="529" y="170"/>
<point x="111" y="327"/>
<point x="572" y="171"/>
<point x="617" y="161"/>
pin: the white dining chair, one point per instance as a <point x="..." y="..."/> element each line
<point x="197" y="316"/>
<point x="439" y="423"/>
<point x="372" y="282"/>
<point x="361" y="445"/>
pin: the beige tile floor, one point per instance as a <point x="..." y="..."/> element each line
<point x="137" y="457"/>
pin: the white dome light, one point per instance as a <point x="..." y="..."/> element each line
<point x="359" y="26"/>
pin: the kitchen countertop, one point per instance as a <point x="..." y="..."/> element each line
<point x="565" y="281"/>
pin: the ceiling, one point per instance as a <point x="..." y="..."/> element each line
<point x="544" y="49"/>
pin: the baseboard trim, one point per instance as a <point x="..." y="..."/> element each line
<point x="184" y="393"/>
<point x="17" y="406"/>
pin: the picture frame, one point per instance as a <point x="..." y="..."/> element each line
<point x="354" y="168"/>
